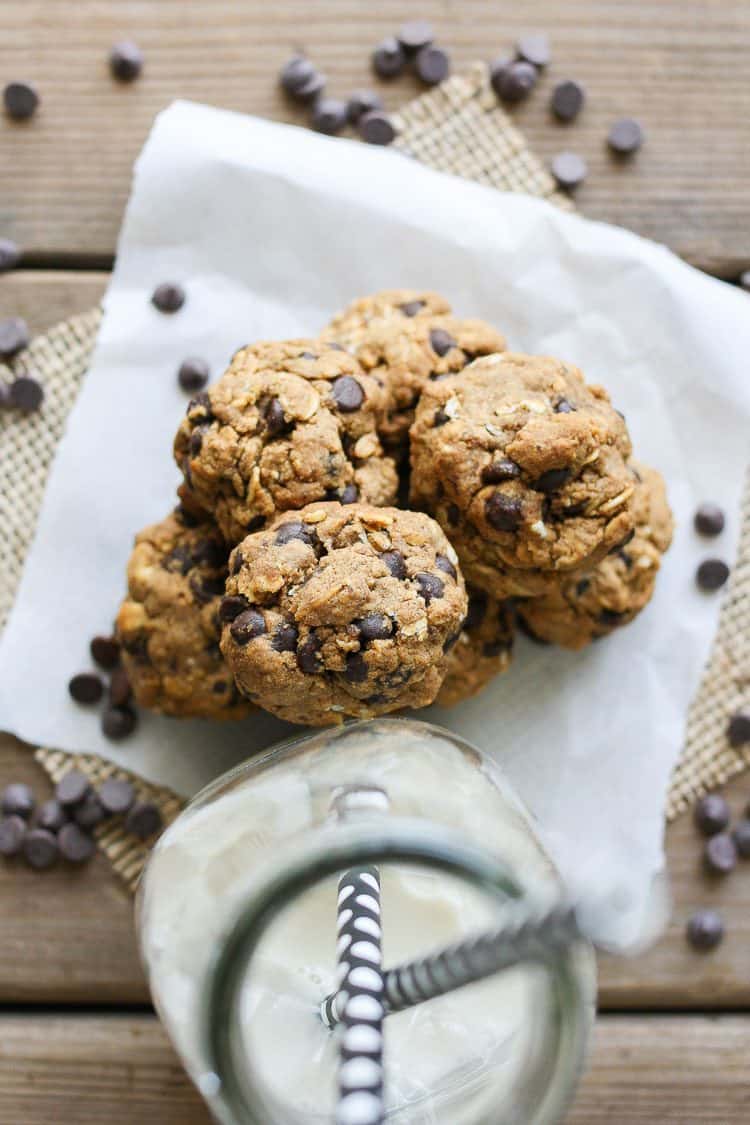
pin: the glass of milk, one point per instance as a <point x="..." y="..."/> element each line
<point x="237" y="921"/>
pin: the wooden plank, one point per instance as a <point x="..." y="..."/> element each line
<point x="121" y="1069"/>
<point x="65" y="174"/>
<point x="45" y="297"/>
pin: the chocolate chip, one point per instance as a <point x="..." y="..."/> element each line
<point x="562" y="406"/>
<point x="285" y="638"/>
<point x="432" y="65"/>
<point x="362" y="102"/>
<point x="441" y="341"/>
<point x="709" y="520"/>
<point x="193" y="374"/>
<point x="72" y="788"/>
<point x="356" y="668"/>
<point x="498" y="471"/>
<point x="350" y="494"/>
<point x="295" y="530"/>
<point x="453" y="515"/>
<point x="375" y="627"/>
<point x="89" y="813"/>
<point x="75" y="845"/>
<point x="534" y="48"/>
<point x="569" y="170"/>
<point x="273" y="416"/>
<point x="720" y="854"/>
<point x="14" y="336"/>
<point x="116" y="795"/>
<point x="389" y="58"/>
<point x="704" y="930"/>
<point x="376" y="128"/>
<point x="712" y="814"/>
<point x="196" y="440"/>
<point x="126" y="61"/>
<point x="26" y="394"/>
<point x="247" y="626"/>
<point x="18" y="800"/>
<point x="741" y="837"/>
<point x="582" y="586"/>
<point x="415" y="34"/>
<point x="118" y="722"/>
<point x="40" y="849"/>
<point x="347" y="394"/>
<point x="143" y="820"/>
<point x="21" y="100"/>
<point x="308" y="660"/>
<point x="10" y="254"/>
<point x="168" y="297"/>
<point x="86" y="687"/>
<point x="296" y="74"/>
<point x="567" y="100"/>
<point x="442" y="562"/>
<point x="395" y="563"/>
<point x="329" y="115"/>
<point x="231" y="607"/>
<point x="625" y="136"/>
<point x="411" y="308"/>
<point x="440" y="418"/>
<point x="12" y="835"/>
<point x="429" y="586"/>
<point x="51" y="816"/>
<point x="552" y="480"/>
<point x="497" y="68"/>
<point x="137" y="647"/>
<point x="516" y="81"/>
<point x="712" y="574"/>
<point x="105" y="651"/>
<point x="502" y="512"/>
<point x="738" y="731"/>
<point x="120" y="690"/>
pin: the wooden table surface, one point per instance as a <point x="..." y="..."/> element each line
<point x="78" y="1040"/>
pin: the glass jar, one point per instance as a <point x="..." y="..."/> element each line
<point x="237" y="923"/>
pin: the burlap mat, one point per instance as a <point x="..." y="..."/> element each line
<point x="460" y="128"/>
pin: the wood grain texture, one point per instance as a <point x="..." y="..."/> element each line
<point x="45" y="297"/>
<point x="681" y="68"/>
<point x="82" y="1070"/>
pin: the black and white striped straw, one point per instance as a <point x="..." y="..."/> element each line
<point x="358" y="1005"/>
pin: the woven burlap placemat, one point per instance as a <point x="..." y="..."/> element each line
<point x="460" y="128"/>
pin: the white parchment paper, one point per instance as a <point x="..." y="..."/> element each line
<point x="273" y="229"/>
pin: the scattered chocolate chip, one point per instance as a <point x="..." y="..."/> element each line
<point x="193" y="374"/>
<point x="26" y="394"/>
<point x="534" y="48"/>
<point x="709" y="520"/>
<point x="562" y="406"/>
<point x="329" y="115"/>
<point x="119" y="722"/>
<point x="312" y="89"/>
<point x="415" y="34"/>
<point x="738" y="730"/>
<point x="4" y="396"/>
<point x="51" y="816"/>
<point x="569" y="170"/>
<point x="168" y="298"/>
<point x="89" y="813"/>
<point x="552" y="480"/>
<point x="741" y="837"/>
<point x="10" y="254"/>
<point x="502" y="512"/>
<point x="120" y="690"/>
<point x="442" y="562"/>
<point x="362" y="102"/>
<point x="347" y="394"/>
<point x="105" y="651"/>
<point x="516" y="81"/>
<point x="296" y="74"/>
<point x="247" y="626"/>
<point x="720" y="854"/>
<point x="395" y="563"/>
<point x="21" y="100"/>
<point x="308" y="660"/>
<point x="86" y="687"/>
<point x="453" y="515"/>
<point x="389" y="58"/>
<point x="40" y="849"/>
<point x="72" y="788"/>
<point x="18" y="800"/>
<point x="12" y="835"/>
<point x="429" y="586"/>
<point x="356" y="668"/>
<point x="14" y="336"/>
<point x="295" y="530"/>
<point x="712" y="574"/>
<point x="75" y="845"/>
<point x="625" y="136"/>
<point x="231" y="607"/>
<point x="704" y="930"/>
<point x="126" y="61"/>
<point x="116" y="795"/>
<point x="376" y="128"/>
<point x="441" y="341"/>
<point x="432" y="65"/>
<point x="567" y="100"/>
<point x="143" y="820"/>
<point x="497" y="68"/>
<point x="375" y="627"/>
<point x="350" y="494"/>
<point x="285" y="638"/>
<point x="712" y="814"/>
<point x="411" y="308"/>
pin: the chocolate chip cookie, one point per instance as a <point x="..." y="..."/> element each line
<point x="524" y="466"/>
<point x="482" y="651"/>
<point x="168" y="624"/>
<point x="340" y="610"/>
<point x="406" y="349"/>
<point x="591" y="604"/>
<point x="287" y="424"/>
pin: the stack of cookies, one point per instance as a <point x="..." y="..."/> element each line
<point x="366" y="517"/>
